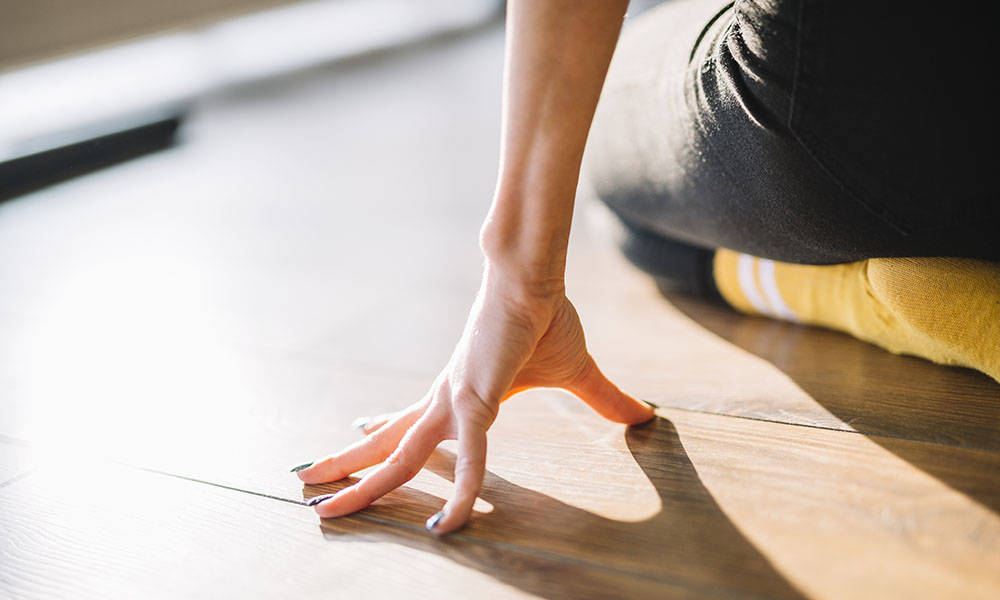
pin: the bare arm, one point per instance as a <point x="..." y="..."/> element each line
<point x="522" y="331"/>
<point x="557" y="55"/>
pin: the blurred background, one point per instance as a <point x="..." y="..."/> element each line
<point x="77" y="71"/>
<point x="212" y="208"/>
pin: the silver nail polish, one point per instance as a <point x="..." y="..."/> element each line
<point x="317" y="499"/>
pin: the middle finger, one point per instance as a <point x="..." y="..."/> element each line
<point x="404" y="463"/>
<point x="371" y="450"/>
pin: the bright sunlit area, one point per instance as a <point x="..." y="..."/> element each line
<point x="248" y="312"/>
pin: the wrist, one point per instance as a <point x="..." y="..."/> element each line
<point x="525" y="236"/>
<point x="533" y="301"/>
<point x="522" y="286"/>
<point x="522" y="256"/>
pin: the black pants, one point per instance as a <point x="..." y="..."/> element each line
<point x="808" y="131"/>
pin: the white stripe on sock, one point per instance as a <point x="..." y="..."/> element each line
<point x="769" y="284"/>
<point x="749" y="285"/>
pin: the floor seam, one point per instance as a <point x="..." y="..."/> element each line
<point x="504" y="546"/>
<point x="205" y="482"/>
<point x="17" y="477"/>
<point x="826" y="428"/>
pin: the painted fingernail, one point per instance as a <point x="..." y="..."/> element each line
<point x="434" y="520"/>
<point x="361" y="422"/>
<point x="654" y="406"/>
<point x="300" y="467"/>
<point x="317" y="499"/>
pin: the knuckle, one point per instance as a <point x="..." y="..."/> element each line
<point x="397" y="457"/>
<point x="471" y="407"/>
<point x="329" y="468"/>
<point x="359" y="495"/>
<point x="336" y="473"/>
<point x="402" y="460"/>
<point x="381" y="441"/>
<point x="467" y="466"/>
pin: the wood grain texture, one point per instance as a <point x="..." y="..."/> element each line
<point x="115" y="532"/>
<point x="687" y="353"/>
<point x="735" y="506"/>
<point x="719" y="505"/>
<point x="707" y="505"/>
<point x="217" y="313"/>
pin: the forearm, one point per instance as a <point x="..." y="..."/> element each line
<point x="557" y="55"/>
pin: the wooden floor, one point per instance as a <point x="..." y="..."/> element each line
<point x="176" y="332"/>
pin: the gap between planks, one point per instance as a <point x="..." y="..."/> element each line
<point x="689" y="584"/>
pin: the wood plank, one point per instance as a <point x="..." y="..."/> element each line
<point x="686" y="353"/>
<point x="677" y="502"/>
<point x="682" y="499"/>
<point x="872" y="390"/>
<point x="298" y="404"/>
<point x="852" y="516"/>
<point x="739" y="506"/>
<point x="728" y="506"/>
<point x="112" y="532"/>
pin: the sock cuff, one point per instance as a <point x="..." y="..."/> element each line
<point x="749" y="284"/>
<point x="946" y="310"/>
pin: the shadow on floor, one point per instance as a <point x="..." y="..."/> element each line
<point x="896" y="400"/>
<point x="545" y="547"/>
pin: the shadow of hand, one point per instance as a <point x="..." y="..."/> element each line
<point x="555" y="550"/>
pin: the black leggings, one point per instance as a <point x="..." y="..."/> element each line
<point x="807" y="131"/>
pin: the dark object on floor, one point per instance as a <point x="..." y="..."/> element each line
<point x="675" y="266"/>
<point x="35" y="171"/>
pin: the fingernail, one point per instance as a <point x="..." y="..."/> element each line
<point x="300" y="467"/>
<point x="654" y="406"/>
<point x="361" y="422"/>
<point x="317" y="499"/>
<point x="433" y="521"/>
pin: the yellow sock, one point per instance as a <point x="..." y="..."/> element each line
<point x="943" y="309"/>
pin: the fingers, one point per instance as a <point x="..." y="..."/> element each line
<point x="401" y="466"/>
<point x="364" y="453"/>
<point x="470" y="467"/>
<point x="610" y="402"/>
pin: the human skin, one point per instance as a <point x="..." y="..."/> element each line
<point x="522" y="331"/>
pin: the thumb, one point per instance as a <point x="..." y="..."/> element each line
<point x="610" y="402"/>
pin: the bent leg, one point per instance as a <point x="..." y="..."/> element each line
<point x="946" y="310"/>
<point x="693" y="140"/>
<point x="693" y="150"/>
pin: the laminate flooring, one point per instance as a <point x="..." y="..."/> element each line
<point x="177" y="331"/>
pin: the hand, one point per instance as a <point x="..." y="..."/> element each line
<point x="514" y="340"/>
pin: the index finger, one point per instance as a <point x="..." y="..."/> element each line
<point x="401" y="466"/>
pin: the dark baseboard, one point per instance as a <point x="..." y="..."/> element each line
<point x="35" y="171"/>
